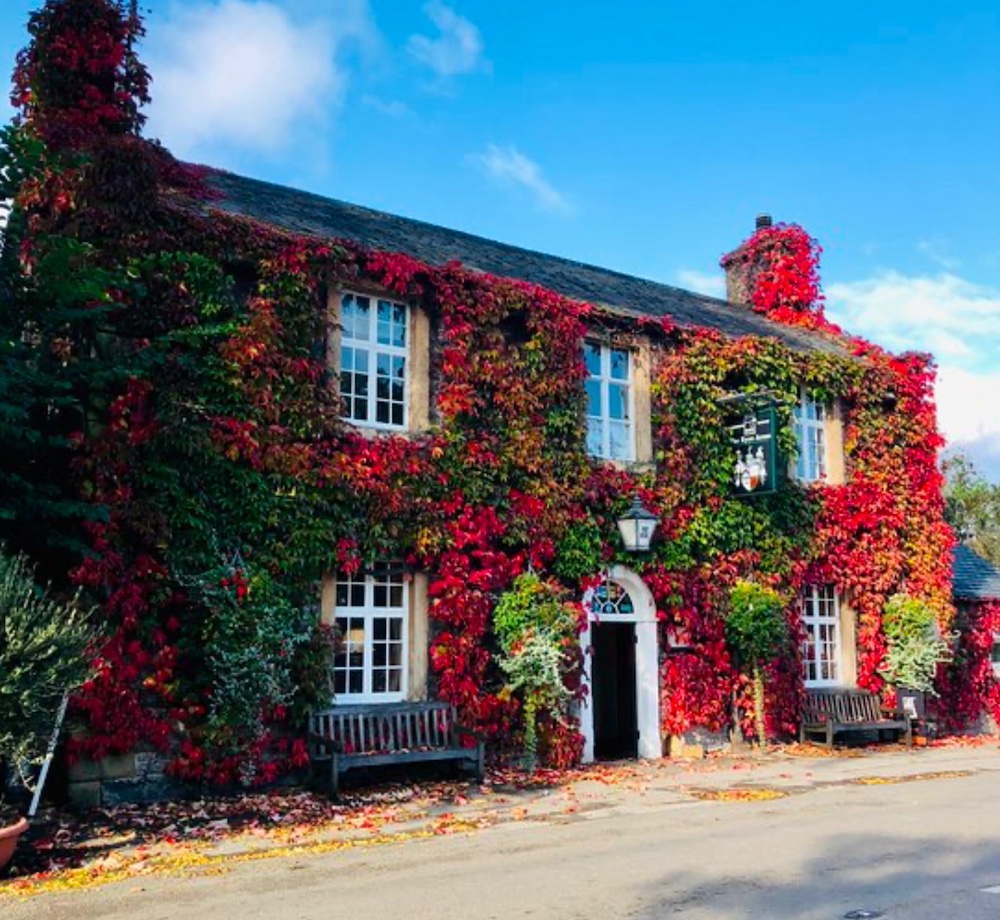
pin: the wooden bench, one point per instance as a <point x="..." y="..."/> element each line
<point x="344" y="738"/>
<point x="835" y="711"/>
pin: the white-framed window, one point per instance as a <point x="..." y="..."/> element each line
<point x="821" y="650"/>
<point x="374" y="361"/>
<point x="810" y="439"/>
<point x="372" y="616"/>
<point x="995" y="654"/>
<point x="610" y="402"/>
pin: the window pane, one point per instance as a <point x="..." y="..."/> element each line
<point x="355" y="317"/>
<point x="348" y="310"/>
<point x="395" y="681"/>
<point x="594" y="398"/>
<point x="620" y="447"/>
<point x="384" y="323"/>
<point x="617" y="402"/>
<point x="592" y="353"/>
<point x="619" y="364"/>
<point x="399" y="326"/>
<point x="595" y="433"/>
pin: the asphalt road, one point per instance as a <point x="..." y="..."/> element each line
<point x="916" y="850"/>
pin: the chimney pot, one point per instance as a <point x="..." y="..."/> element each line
<point x="763" y="221"/>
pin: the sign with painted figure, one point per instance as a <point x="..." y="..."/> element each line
<point x="754" y="449"/>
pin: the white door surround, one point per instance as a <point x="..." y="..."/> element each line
<point x="647" y="671"/>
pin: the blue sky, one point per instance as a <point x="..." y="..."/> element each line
<point x="643" y="136"/>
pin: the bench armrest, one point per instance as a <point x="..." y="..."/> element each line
<point x="814" y="715"/>
<point x="328" y="744"/>
<point x="471" y="732"/>
<point x="896" y="712"/>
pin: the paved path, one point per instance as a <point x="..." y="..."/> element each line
<point x="913" y="835"/>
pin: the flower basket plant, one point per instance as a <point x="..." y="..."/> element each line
<point x="537" y="631"/>
<point x="43" y="646"/>
<point x="756" y="631"/>
<point x="914" y="647"/>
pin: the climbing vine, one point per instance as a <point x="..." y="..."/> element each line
<point x="168" y="360"/>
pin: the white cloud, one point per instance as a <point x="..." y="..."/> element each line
<point x="956" y="320"/>
<point x="945" y="314"/>
<point x="713" y="285"/>
<point x="511" y="167"/>
<point x="244" y="75"/>
<point x="457" y="50"/>
<point x="969" y="403"/>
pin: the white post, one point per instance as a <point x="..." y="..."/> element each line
<point x="587" y="703"/>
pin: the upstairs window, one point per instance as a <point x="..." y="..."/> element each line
<point x="374" y="361"/>
<point x="610" y="397"/>
<point x="371" y="615"/>
<point x="995" y="654"/>
<point x="810" y="439"/>
<point x="821" y="651"/>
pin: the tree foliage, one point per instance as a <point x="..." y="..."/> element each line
<point x="973" y="507"/>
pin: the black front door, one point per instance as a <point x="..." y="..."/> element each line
<point x="616" y="728"/>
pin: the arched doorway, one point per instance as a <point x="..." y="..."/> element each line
<point x="620" y="715"/>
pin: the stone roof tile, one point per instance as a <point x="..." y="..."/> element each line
<point x="974" y="579"/>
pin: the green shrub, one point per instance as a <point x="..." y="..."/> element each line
<point x="43" y="653"/>
<point x="915" y="646"/>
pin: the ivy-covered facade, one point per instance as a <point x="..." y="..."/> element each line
<point x="275" y="437"/>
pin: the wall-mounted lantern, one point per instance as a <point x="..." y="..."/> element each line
<point x="637" y="527"/>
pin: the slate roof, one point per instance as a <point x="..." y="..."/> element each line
<point x="974" y="578"/>
<point x="306" y="213"/>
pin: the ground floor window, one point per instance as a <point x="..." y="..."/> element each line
<point x="371" y="616"/>
<point x="821" y="650"/>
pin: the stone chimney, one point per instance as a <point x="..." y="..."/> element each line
<point x="738" y="268"/>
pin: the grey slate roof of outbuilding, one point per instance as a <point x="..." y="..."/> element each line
<point x="974" y="578"/>
<point x="306" y="213"/>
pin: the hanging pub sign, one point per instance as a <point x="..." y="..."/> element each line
<point x="754" y="449"/>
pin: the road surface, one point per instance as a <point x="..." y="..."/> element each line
<point x="921" y="849"/>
